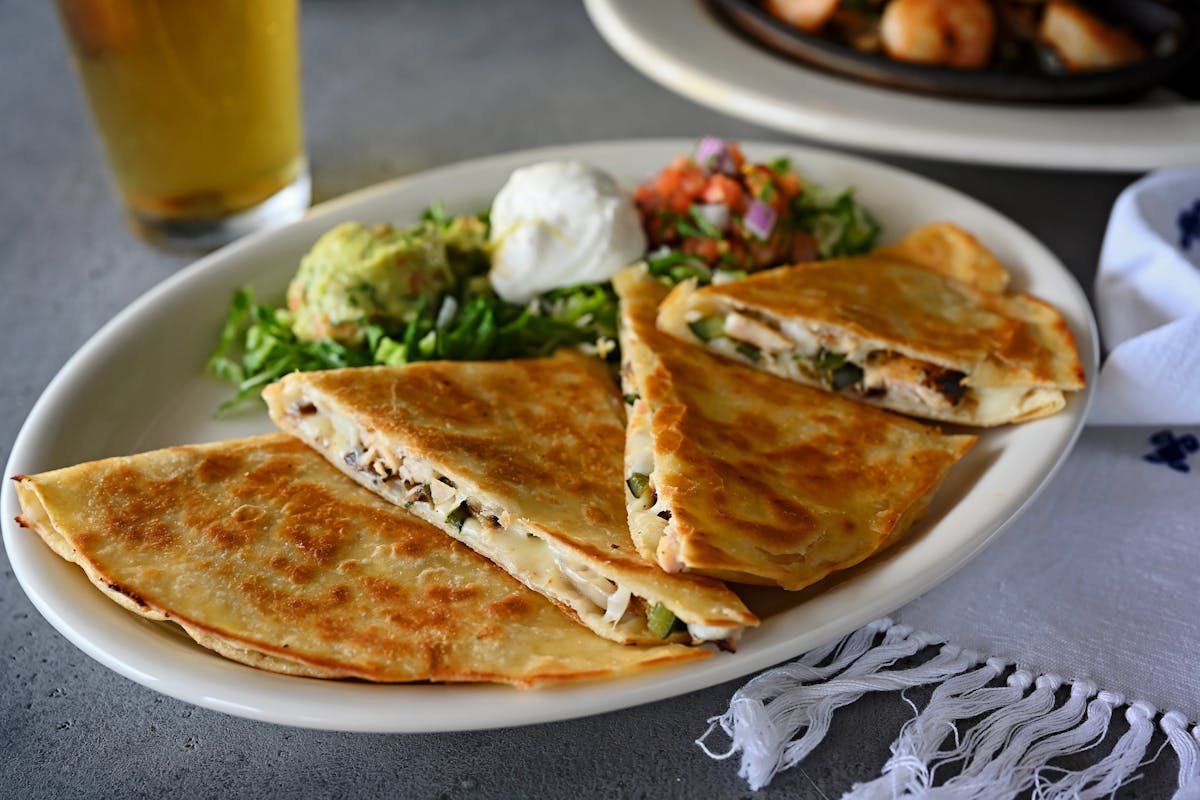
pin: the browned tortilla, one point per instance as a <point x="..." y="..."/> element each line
<point x="535" y="448"/>
<point x="763" y="480"/>
<point x="948" y="250"/>
<point x="1015" y="352"/>
<point x="264" y="553"/>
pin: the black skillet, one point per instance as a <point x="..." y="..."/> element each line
<point x="1170" y="30"/>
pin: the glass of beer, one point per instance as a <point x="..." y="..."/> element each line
<point x="197" y="103"/>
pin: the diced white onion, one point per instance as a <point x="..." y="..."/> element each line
<point x="594" y="587"/>
<point x="617" y="604"/>
<point x="717" y="214"/>
<point x="715" y="633"/>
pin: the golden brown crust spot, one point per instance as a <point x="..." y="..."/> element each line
<point x="511" y="607"/>
<point x="382" y="590"/>
<point x="296" y="573"/>
<point x="948" y="250"/>
<point x="217" y="467"/>
<point x="448" y="594"/>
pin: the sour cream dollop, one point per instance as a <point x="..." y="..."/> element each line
<point x="560" y="223"/>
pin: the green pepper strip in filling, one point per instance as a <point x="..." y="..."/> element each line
<point x="749" y="351"/>
<point x="661" y="621"/>
<point x="708" y="328"/>
<point x="835" y="371"/>
<point x="459" y="515"/>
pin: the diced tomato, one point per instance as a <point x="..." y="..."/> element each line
<point x="708" y="249"/>
<point x="666" y="183"/>
<point x="676" y="187"/>
<point x="789" y="182"/>
<point x="691" y="181"/>
<point x="724" y="189"/>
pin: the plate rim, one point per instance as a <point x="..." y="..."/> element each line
<point x="332" y="707"/>
<point x="840" y="112"/>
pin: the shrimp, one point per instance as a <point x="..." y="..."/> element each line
<point x="954" y="33"/>
<point x="807" y="15"/>
<point x="1084" y="42"/>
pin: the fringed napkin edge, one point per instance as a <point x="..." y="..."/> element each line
<point x="1012" y="730"/>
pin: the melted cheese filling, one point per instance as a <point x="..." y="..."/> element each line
<point x="650" y="516"/>
<point x="790" y="349"/>
<point x="434" y="498"/>
<point x="643" y="510"/>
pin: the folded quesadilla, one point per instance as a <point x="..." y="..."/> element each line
<point x="952" y="252"/>
<point x="521" y="461"/>
<point x="891" y="334"/>
<point x="734" y="473"/>
<point x="264" y="553"/>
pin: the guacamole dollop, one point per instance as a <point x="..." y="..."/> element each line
<point x="355" y="276"/>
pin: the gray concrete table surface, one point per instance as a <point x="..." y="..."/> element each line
<point x="390" y="88"/>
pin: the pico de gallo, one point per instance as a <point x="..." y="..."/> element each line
<point x="716" y="211"/>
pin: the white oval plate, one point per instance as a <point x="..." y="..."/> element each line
<point x="683" y="46"/>
<point x="139" y="384"/>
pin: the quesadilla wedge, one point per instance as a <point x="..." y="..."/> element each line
<point x="952" y="252"/>
<point x="521" y="461"/>
<point x="264" y="553"/>
<point x="734" y="473"/>
<point x="890" y="334"/>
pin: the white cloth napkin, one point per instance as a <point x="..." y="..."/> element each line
<point x="1094" y="588"/>
<point x="1148" y="304"/>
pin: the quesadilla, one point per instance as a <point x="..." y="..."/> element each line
<point x="521" y="461"/>
<point x="734" y="473"/>
<point x="891" y="334"/>
<point x="952" y="252"/>
<point x="264" y="553"/>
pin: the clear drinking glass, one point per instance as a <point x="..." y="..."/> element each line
<point x="197" y="103"/>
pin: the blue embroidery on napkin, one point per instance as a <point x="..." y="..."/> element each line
<point x="1189" y="225"/>
<point x="1173" y="450"/>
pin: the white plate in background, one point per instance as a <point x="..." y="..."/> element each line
<point x="683" y="46"/>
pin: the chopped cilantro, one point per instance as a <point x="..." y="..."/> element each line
<point x="841" y="226"/>
<point x="780" y="164"/>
